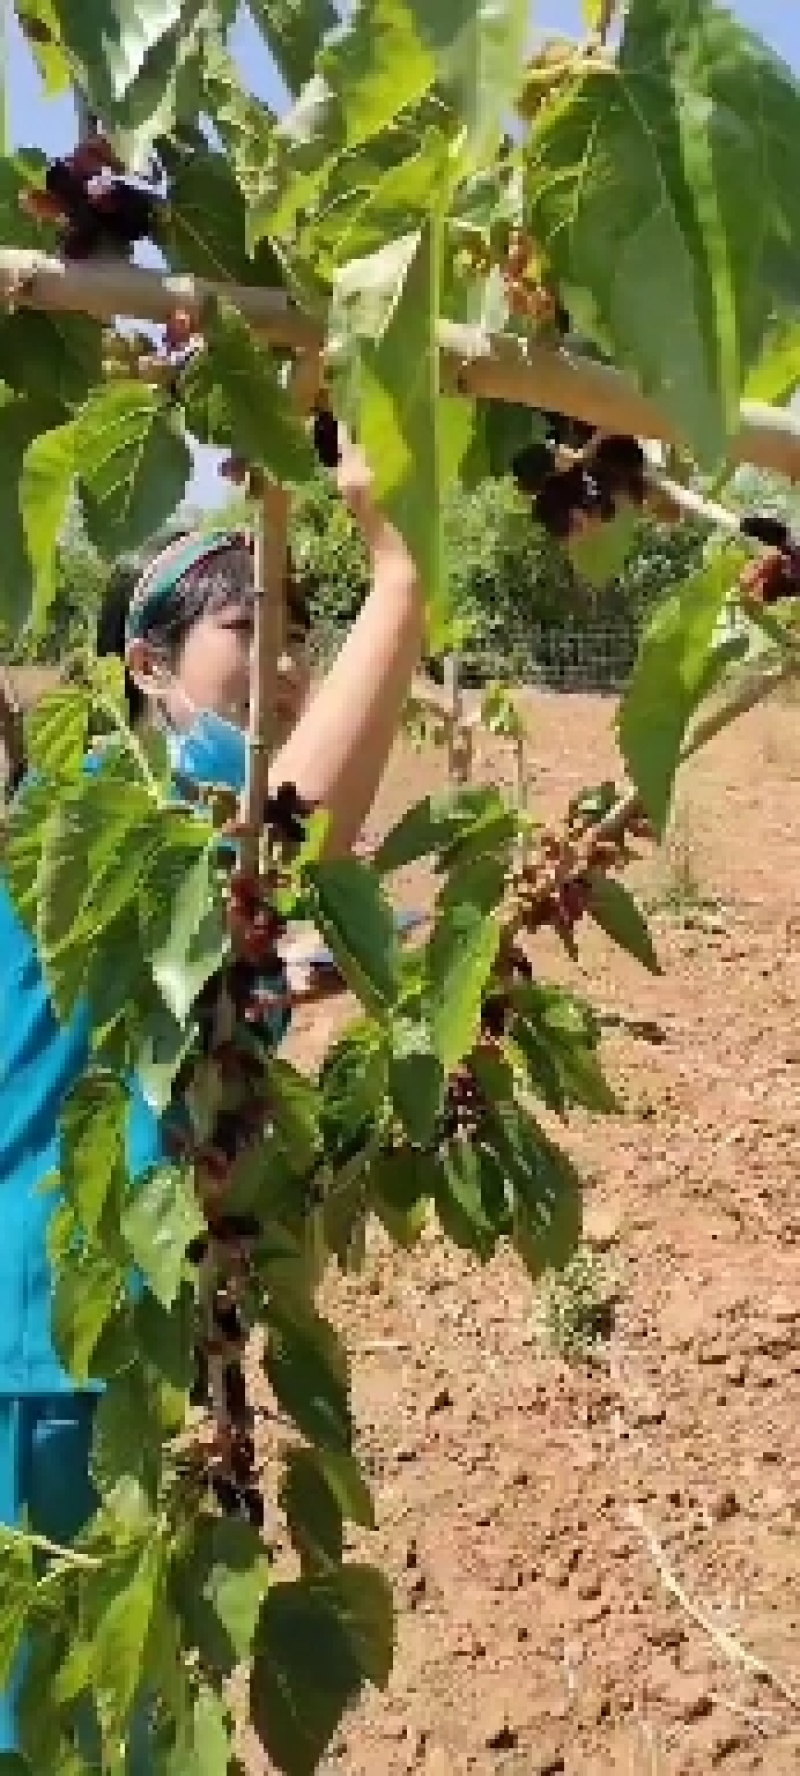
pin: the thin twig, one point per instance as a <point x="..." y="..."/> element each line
<point x="41" y="1544"/>
<point x="728" y="1644"/>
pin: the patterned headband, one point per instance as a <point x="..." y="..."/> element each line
<point x="223" y="557"/>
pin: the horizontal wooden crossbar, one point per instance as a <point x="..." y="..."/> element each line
<point x="472" y="363"/>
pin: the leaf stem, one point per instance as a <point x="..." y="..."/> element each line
<point x="41" y="1544"/>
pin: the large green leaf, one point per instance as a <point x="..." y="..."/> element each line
<point x="219" y="1583"/>
<point x="459" y="961"/>
<point x="306" y="1365"/>
<point x="87" y="1291"/>
<point x="416" y="1077"/>
<point x="545" y="1187"/>
<point x="293" y="31"/>
<point x="204" y="1746"/>
<point x="668" y="682"/>
<point x="23" y="843"/>
<point x="256" y="411"/>
<point x="46" y="484"/>
<point x="776" y="375"/>
<point x="19" y="173"/>
<point x="465" y="1198"/>
<point x="133" y="462"/>
<point x="481" y="58"/>
<point x="17" y="1592"/>
<point x="451" y="823"/>
<point x="320" y="1491"/>
<point x="400" y="419"/>
<point x="94" y="851"/>
<point x="319" y="1641"/>
<point x="302" y="150"/>
<point x="54" y="357"/>
<point x="121" y="1633"/>
<point x="558" y="1040"/>
<point x="356" y="920"/>
<point x="395" y="51"/>
<point x="196" y="944"/>
<point x="653" y="188"/>
<point x="57" y="733"/>
<point x="613" y="907"/>
<point x="93" y="1148"/>
<point x="379" y="65"/>
<point x="139" y="64"/>
<point x="204" y="230"/>
<point x="20" y="422"/>
<point x="401" y="1185"/>
<point x="134" y="1418"/>
<point x="407" y="192"/>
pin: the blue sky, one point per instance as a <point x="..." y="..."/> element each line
<point x="50" y="124"/>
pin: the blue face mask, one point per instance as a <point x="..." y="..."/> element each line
<point x="210" y="751"/>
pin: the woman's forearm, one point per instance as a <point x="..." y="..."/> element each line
<point x="338" y="752"/>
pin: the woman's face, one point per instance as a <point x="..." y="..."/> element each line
<point x="211" y="670"/>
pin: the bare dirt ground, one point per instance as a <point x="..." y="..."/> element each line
<point x="537" y="1515"/>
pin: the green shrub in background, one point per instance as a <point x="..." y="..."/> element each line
<point x="508" y="577"/>
<point x="71" y="617"/>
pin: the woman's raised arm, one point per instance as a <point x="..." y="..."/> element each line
<point x="337" y="753"/>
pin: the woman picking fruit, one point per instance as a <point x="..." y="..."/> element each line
<point x="184" y="625"/>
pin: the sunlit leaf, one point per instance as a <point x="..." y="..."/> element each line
<point x="600" y="556"/>
<point x="86" y="1293"/>
<point x="20" y="422"/>
<point x="121" y="1633"/>
<point x="293" y="31"/>
<point x="57" y="733"/>
<point x="133" y="462"/>
<point x="93" y="1147"/>
<point x="400" y="419"/>
<point x="459" y="960"/>
<point x="219" y="1584"/>
<point x="257" y="411"/>
<point x="654" y="187"/>
<point x="17" y="1591"/>
<point x="46" y="485"/>
<point x="453" y="824"/>
<point x="668" y="681"/>
<point x="196" y="944"/>
<point x="776" y="375"/>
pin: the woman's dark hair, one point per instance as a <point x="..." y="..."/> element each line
<point x="113" y="618"/>
<point x="197" y="591"/>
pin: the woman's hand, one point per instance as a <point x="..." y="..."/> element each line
<point x="354" y="479"/>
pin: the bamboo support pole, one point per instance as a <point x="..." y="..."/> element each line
<point x="459" y="739"/>
<point x="271" y="557"/>
<point x="472" y="363"/>
<point x="12" y="735"/>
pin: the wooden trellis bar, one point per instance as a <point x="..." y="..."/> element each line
<point x="472" y="363"/>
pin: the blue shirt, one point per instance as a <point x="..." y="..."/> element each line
<point x="40" y="1062"/>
